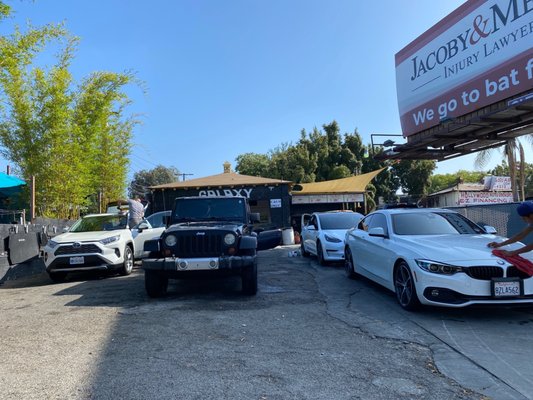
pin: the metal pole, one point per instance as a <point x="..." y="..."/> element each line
<point x="32" y="199"/>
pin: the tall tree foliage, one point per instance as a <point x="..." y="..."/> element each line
<point x="414" y="176"/>
<point x="319" y="156"/>
<point x="75" y="140"/>
<point x="142" y="180"/>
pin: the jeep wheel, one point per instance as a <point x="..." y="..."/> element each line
<point x="57" y="277"/>
<point x="155" y="284"/>
<point x="127" y="266"/>
<point x="249" y="280"/>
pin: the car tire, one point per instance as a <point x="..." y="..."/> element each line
<point x="320" y="254"/>
<point x="302" y="249"/>
<point x="127" y="265"/>
<point x="349" y="267"/>
<point x="249" y="280"/>
<point x="57" y="277"/>
<point x="156" y="284"/>
<point x="405" y="288"/>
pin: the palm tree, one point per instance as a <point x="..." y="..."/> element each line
<point x="510" y="149"/>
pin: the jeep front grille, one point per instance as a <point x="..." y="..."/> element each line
<point x="83" y="249"/>
<point x="206" y="245"/>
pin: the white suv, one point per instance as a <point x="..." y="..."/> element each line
<point x="98" y="242"/>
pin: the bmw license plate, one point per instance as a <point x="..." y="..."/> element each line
<point x="506" y="287"/>
<point x="77" y="260"/>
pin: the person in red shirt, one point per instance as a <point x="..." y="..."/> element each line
<point x="525" y="210"/>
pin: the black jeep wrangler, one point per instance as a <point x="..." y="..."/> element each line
<point x="207" y="236"/>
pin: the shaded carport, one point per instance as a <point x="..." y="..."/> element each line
<point x="337" y="194"/>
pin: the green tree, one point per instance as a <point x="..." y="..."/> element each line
<point x="142" y="180"/>
<point x="253" y="164"/>
<point x="414" y="176"/>
<point x="444" y="181"/>
<point x="74" y="140"/>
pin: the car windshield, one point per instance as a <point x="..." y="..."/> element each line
<point x="339" y="220"/>
<point x="95" y="223"/>
<point x="209" y="209"/>
<point x="433" y="223"/>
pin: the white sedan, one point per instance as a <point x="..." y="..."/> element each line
<point x="323" y="234"/>
<point x="98" y="242"/>
<point x="434" y="257"/>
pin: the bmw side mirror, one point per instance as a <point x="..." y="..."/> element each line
<point x="378" y="231"/>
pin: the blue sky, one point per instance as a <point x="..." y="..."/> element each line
<point x="227" y="77"/>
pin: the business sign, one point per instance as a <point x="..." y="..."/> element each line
<point x="327" y="198"/>
<point x="484" y="198"/>
<point x="497" y="183"/>
<point x="478" y="55"/>
<point x="275" y="203"/>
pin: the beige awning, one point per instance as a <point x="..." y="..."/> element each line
<point x="352" y="184"/>
<point x="222" y="180"/>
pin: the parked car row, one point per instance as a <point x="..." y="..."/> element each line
<point x="433" y="257"/>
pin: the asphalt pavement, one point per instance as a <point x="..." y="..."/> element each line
<point x="306" y="335"/>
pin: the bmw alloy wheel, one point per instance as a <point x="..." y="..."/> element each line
<point x="405" y="288"/>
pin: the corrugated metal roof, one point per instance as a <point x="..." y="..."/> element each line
<point x="224" y="179"/>
<point x="352" y="184"/>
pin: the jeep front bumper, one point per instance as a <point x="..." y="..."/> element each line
<point x="198" y="264"/>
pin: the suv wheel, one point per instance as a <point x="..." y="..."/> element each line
<point x="249" y="280"/>
<point x="127" y="266"/>
<point x="155" y="284"/>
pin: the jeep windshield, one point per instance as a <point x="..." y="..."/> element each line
<point x="209" y="209"/>
<point x="96" y="223"/>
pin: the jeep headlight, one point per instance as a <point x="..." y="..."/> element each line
<point x="171" y="240"/>
<point x="109" y="240"/>
<point x="52" y="244"/>
<point x="229" y="239"/>
<point x="438" y="268"/>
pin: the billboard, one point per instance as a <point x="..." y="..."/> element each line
<point x="479" y="54"/>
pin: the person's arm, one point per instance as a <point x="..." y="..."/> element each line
<point x="519" y="236"/>
<point x="521" y="250"/>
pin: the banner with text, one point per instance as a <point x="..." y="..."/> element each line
<point x="480" y="54"/>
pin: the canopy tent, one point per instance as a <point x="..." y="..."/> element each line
<point x="9" y="184"/>
<point x="352" y="184"/>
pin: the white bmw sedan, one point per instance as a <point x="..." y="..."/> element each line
<point x="434" y="257"/>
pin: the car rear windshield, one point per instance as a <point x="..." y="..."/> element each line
<point x="215" y="209"/>
<point x="95" y="223"/>
<point x="339" y="221"/>
<point x="433" y="223"/>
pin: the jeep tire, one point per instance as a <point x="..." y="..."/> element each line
<point x="249" y="280"/>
